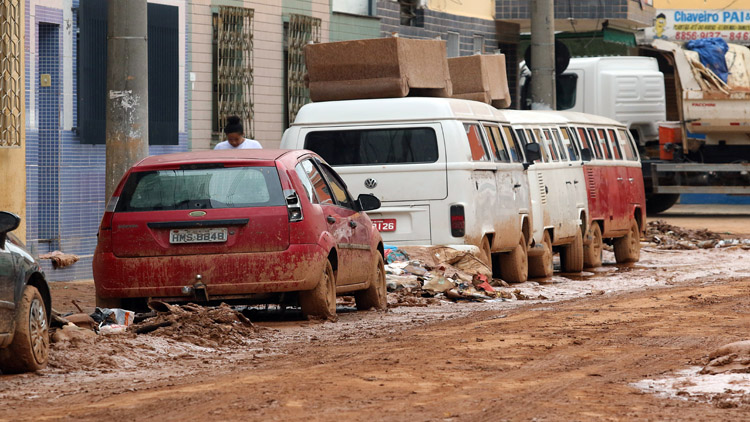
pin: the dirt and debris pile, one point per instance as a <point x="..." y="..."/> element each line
<point x="420" y="276"/>
<point x="667" y="236"/>
<point x="60" y="259"/>
<point x="203" y="326"/>
<point x="730" y="358"/>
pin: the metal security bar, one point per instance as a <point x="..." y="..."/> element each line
<point x="11" y="73"/>
<point x="233" y="89"/>
<point x="302" y="30"/>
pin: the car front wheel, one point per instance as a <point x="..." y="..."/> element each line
<point x="30" y="347"/>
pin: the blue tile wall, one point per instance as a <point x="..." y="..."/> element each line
<point x="65" y="179"/>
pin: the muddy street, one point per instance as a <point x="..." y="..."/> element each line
<point x="621" y="342"/>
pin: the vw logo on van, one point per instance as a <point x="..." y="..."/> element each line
<point x="370" y="183"/>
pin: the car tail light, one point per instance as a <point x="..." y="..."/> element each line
<point x="458" y="221"/>
<point x="293" y="205"/>
<point x="109" y="212"/>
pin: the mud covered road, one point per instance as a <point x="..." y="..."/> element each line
<point x="601" y="346"/>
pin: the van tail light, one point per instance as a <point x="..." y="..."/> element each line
<point x="458" y="221"/>
<point x="293" y="205"/>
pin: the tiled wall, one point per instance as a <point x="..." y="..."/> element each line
<point x="582" y="9"/>
<point x="65" y="179"/>
<point x="349" y="27"/>
<point x="433" y="24"/>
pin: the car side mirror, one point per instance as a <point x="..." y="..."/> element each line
<point x="586" y="154"/>
<point x="368" y="202"/>
<point x="533" y="153"/>
<point x="8" y="223"/>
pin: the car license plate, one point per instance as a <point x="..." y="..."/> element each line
<point x="385" y="225"/>
<point x="206" y="235"/>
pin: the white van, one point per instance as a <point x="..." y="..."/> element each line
<point x="447" y="172"/>
<point x="558" y="190"/>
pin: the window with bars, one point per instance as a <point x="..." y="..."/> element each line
<point x="11" y="74"/>
<point x="301" y="30"/>
<point x="233" y="68"/>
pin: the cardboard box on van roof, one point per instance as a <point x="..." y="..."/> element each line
<point x="480" y="78"/>
<point x="377" y="68"/>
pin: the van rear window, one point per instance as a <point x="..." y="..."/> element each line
<point x="235" y="187"/>
<point x="374" y="146"/>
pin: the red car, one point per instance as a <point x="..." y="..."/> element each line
<point x="249" y="226"/>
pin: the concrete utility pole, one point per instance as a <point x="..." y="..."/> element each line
<point x="543" y="55"/>
<point x="127" y="88"/>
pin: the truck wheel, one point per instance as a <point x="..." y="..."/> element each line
<point x="571" y="256"/>
<point x="661" y="202"/>
<point x="514" y="265"/>
<point x="320" y="302"/>
<point x="374" y="296"/>
<point x="592" y="253"/>
<point x="30" y="347"/>
<point x="540" y="266"/>
<point x="628" y="247"/>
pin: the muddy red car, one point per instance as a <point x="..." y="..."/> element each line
<point x="246" y="226"/>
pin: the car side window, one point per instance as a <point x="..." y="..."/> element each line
<point x="550" y="144"/>
<point x="302" y="174"/>
<point x="605" y="144"/>
<point x="338" y="188"/>
<point x="569" y="143"/>
<point x="474" y="136"/>
<point x="615" y="144"/>
<point x="497" y="144"/>
<point x="513" y="145"/>
<point x="629" y="147"/>
<point x="595" y="144"/>
<point x="536" y="136"/>
<point x="320" y="188"/>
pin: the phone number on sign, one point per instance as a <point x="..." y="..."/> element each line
<point x="695" y="35"/>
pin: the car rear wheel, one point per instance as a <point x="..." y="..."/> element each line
<point x="571" y="256"/>
<point x="320" y="302"/>
<point x="628" y="247"/>
<point x="374" y="296"/>
<point x="29" y="350"/>
<point x="514" y="265"/>
<point x="540" y="266"/>
<point x="592" y="253"/>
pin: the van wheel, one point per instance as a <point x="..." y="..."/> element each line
<point x="485" y="252"/>
<point x="628" y="247"/>
<point x="374" y="296"/>
<point x="592" y="253"/>
<point x="571" y="256"/>
<point x="514" y="265"/>
<point x="30" y="347"/>
<point x="320" y="302"/>
<point x="540" y="266"/>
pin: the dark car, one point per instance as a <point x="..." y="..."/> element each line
<point x="24" y="304"/>
<point x="254" y="225"/>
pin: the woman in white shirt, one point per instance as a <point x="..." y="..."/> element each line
<point x="236" y="136"/>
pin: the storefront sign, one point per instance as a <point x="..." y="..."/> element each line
<point x="686" y="25"/>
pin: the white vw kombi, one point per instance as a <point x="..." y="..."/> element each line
<point x="447" y="171"/>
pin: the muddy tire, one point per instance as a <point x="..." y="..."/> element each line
<point x="628" y="247"/>
<point x="657" y="203"/>
<point x="571" y="256"/>
<point x="592" y="253"/>
<point x="514" y="265"/>
<point x="320" y="302"/>
<point x="540" y="266"/>
<point x="29" y="350"/>
<point x="485" y="252"/>
<point x="374" y="296"/>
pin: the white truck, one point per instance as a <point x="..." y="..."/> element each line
<point x="692" y="129"/>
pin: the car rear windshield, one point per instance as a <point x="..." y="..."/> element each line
<point x="236" y="187"/>
<point x="375" y="146"/>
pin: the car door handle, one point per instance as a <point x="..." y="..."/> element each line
<point x="619" y="179"/>
<point x="352" y="223"/>
<point x="330" y="219"/>
<point x="516" y="186"/>
<point x="567" y="182"/>
<point x="630" y="179"/>
<point x="575" y="182"/>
